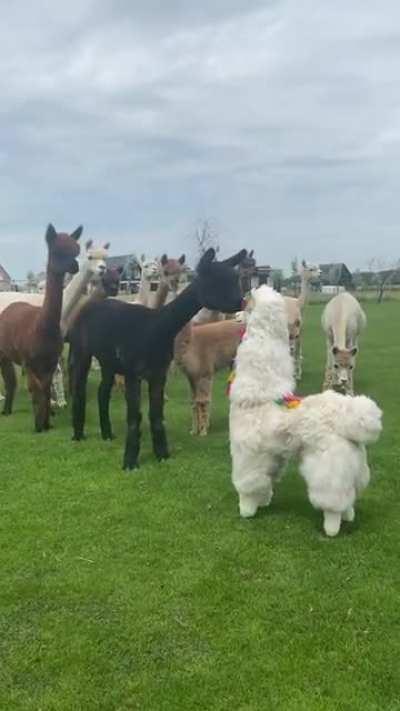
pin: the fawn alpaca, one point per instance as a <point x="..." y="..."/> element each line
<point x="294" y="309"/>
<point x="31" y="336"/>
<point x="137" y="342"/>
<point x="342" y="321"/>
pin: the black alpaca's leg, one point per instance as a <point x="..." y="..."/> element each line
<point x="36" y="391"/>
<point x="78" y="374"/>
<point x="156" y="415"/>
<point x="133" y="418"/>
<point x="10" y="384"/>
<point x="47" y="404"/>
<point x="103" y="398"/>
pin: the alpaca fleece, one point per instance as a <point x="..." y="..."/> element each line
<point x="327" y="431"/>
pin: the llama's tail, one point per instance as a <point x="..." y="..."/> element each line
<point x="360" y="419"/>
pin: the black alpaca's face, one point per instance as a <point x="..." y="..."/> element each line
<point x="110" y="281"/>
<point x="63" y="250"/>
<point x="218" y="283"/>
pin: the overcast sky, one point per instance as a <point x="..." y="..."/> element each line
<point x="278" y="120"/>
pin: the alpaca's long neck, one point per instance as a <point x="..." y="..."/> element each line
<point x="97" y="294"/>
<point x="74" y="290"/>
<point x="174" y="316"/>
<point x="161" y="294"/>
<point x="50" y="314"/>
<point x="304" y="290"/>
<point x="144" y="292"/>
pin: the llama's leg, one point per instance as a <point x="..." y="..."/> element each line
<point x="103" y="397"/>
<point x="253" y="476"/>
<point x="156" y="415"/>
<point x="57" y="387"/>
<point x="46" y="404"/>
<point x="202" y="403"/>
<point x="78" y="368"/>
<point x="133" y="416"/>
<point x="10" y="384"/>
<point x="349" y="514"/>
<point x="195" y="412"/>
<point x="36" y="388"/>
<point x="332" y="521"/>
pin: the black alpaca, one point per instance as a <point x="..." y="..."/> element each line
<point x="137" y="342"/>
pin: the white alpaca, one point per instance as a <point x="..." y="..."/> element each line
<point x="150" y="274"/>
<point x="342" y="321"/>
<point x="294" y="309"/>
<point x="327" y="431"/>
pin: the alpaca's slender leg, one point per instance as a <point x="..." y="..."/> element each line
<point x="332" y="521"/>
<point x="328" y="379"/>
<point x="132" y="444"/>
<point x="46" y="404"/>
<point x="78" y="368"/>
<point x="57" y="387"/>
<point x="103" y="397"/>
<point x="35" y="387"/>
<point x="195" y="419"/>
<point x="10" y="384"/>
<point x="253" y="476"/>
<point x="203" y="399"/>
<point x="156" y="414"/>
<point x="349" y="514"/>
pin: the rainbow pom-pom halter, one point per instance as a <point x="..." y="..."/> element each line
<point x="289" y="400"/>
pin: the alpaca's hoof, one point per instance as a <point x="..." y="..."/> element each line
<point x="109" y="436"/>
<point x="130" y="467"/>
<point x="78" y="438"/>
<point x="349" y="515"/>
<point x="247" y="507"/>
<point x="332" y="521"/>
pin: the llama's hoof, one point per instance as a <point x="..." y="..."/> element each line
<point x="247" y="507"/>
<point x="332" y="521"/>
<point x="108" y="437"/>
<point x="130" y="467"/>
<point x="349" y="515"/>
<point x="78" y="438"/>
<point x="163" y="457"/>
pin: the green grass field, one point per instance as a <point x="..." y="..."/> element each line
<point x="147" y="591"/>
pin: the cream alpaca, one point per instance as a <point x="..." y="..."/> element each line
<point x="327" y="431"/>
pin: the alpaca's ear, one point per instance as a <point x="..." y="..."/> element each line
<point x="142" y="258"/>
<point x="120" y="269"/>
<point x="236" y="258"/>
<point x="251" y="254"/>
<point x="88" y="244"/>
<point x="107" y="245"/>
<point x="164" y="259"/>
<point x="335" y="350"/>
<point x="51" y="234"/>
<point x="354" y="351"/>
<point x="304" y="264"/>
<point x="205" y="261"/>
<point x="77" y="233"/>
<point x="182" y="259"/>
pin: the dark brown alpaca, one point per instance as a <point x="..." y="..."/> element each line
<point x="30" y="336"/>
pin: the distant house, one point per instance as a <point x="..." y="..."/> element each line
<point x="5" y="280"/>
<point x="335" y="275"/>
<point x="130" y="277"/>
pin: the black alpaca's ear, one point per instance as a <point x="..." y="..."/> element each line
<point x="120" y="270"/>
<point x="181" y="259"/>
<point x="77" y="233"/>
<point x="236" y="258"/>
<point x="88" y="244"/>
<point x="51" y="234"/>
<point x="207" y="258"/>
<point x="107" y="245"/>
<point x="164" y="259"/>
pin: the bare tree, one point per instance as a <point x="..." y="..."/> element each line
<point x="206" y="236"/>
<point x="384" y="273"/>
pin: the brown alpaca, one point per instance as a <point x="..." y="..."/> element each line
<point x="200" y="351"/>
<point x="30" y="336"/>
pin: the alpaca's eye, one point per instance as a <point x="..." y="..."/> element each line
<point x="351" y="367"/>
<point x="336" y="366"/>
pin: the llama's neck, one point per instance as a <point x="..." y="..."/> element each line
<point x="174" y="316"/>
<point x="161" y="294"/>
<point x="74" y="290"/>
<point x="304" y="290"/>
<point x="144" y="292"/>
<point x="97" y="294"/>
<point x="50" y="314"/>
<point x="264" y="369"/>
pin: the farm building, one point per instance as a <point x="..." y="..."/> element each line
<point x="5" y="279"/>
<point x="335" y="275"/>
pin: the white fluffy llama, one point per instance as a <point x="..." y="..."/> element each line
<point x="342" y="321"/>
<point x="294" y="309"/>
<point x="268" y="424"/>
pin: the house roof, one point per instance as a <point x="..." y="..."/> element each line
<point x="4" y="275"/>
<point x="335" y="273"/>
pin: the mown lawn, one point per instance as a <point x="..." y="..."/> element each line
<point x="146" y="591"/>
